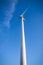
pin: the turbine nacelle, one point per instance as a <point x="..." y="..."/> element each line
<point x="21" y="17"/>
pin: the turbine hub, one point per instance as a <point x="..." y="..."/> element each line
<point x="21" y="17"/>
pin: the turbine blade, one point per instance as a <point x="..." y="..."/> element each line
<point x="24" y="12"/>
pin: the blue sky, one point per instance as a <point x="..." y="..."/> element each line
<point x="10" y="31"/>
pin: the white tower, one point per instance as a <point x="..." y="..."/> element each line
<point x="23" y="47"/>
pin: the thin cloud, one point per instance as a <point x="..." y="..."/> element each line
<point x="9" y="14"/>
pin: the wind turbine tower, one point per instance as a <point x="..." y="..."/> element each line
<point x="23" y="46"/>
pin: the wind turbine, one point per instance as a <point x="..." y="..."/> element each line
<point x="23" y="46"/>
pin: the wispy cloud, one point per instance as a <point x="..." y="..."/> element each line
<point x="9" y="13"/>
